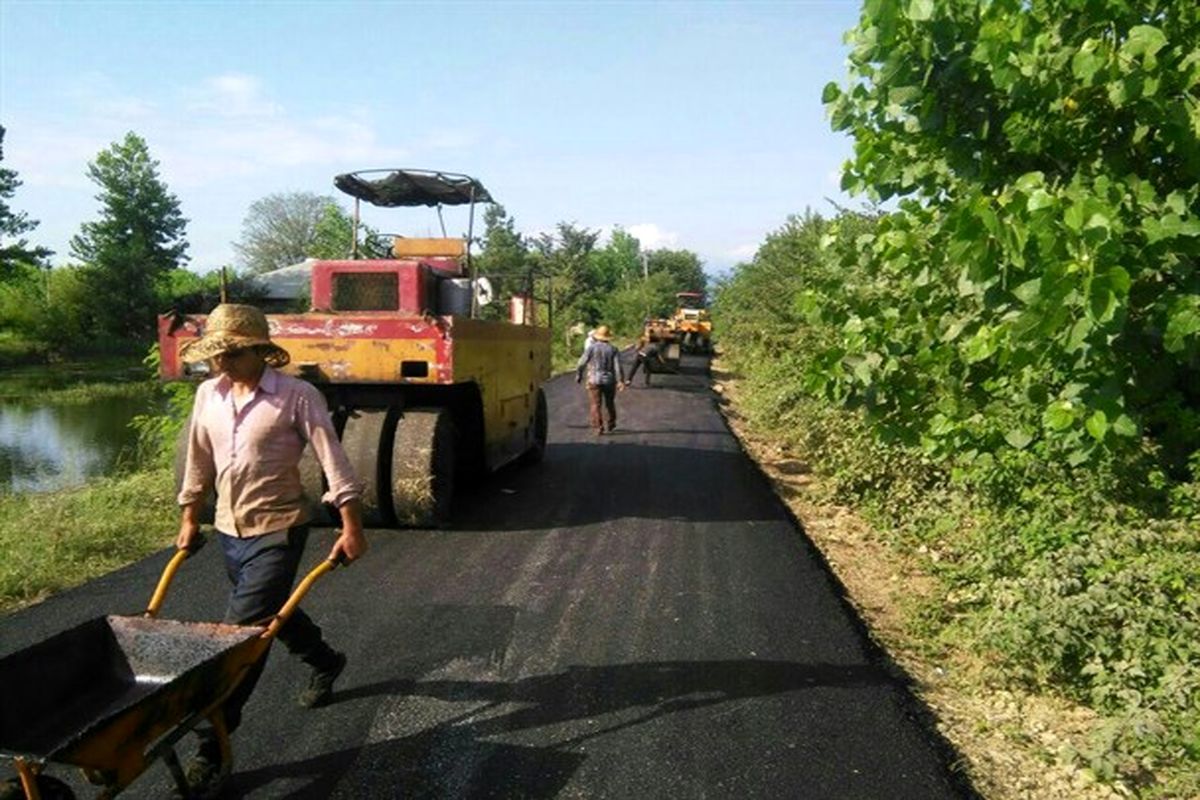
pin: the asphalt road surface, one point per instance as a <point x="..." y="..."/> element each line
<point x="636" y="617"/>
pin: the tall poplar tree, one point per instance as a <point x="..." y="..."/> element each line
<point x="14" y="250"/>
<point x="137" y="240"/>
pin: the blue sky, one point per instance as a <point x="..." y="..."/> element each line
<point x="693" y="125"/>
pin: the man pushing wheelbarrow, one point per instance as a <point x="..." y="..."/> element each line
<point x="115" y="693"/>
<point x="249" y="427"/>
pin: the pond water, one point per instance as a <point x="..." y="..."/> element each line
<point x="47" y="443"/>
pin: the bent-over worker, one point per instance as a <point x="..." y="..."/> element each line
<point x="648" y="353"/>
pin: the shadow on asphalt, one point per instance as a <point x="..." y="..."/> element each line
<point x="579" y="694"/>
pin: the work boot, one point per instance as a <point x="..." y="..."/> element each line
<point x="206" y="773"/>
<point x="320" y="685"/>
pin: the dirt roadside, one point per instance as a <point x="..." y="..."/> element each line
<point x="1016" y="746"/>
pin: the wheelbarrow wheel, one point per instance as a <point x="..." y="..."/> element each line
<point x="50" y="788"/>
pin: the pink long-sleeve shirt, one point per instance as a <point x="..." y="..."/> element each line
<point x="250" y="453"/>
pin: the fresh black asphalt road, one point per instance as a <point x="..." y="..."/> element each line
<point x="638" y="616"/>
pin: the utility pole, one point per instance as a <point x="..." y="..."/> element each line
<point x="645" y="266"/>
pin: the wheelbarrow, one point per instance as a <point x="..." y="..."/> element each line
<point x="114" y="694"/>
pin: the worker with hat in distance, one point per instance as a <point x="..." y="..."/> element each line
<point x="605" y="377"/>
<point x="249" y="427"/>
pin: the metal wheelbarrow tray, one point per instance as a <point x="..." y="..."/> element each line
<point x="91" y="694"/>
<point x="116" y="692"/>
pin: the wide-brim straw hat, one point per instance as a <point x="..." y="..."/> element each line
<point x="602" y="333"/>
<point x="232" y="326"/>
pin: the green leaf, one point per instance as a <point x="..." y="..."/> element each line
<point x="1018" y="438"/>
<point x="1123" y="425"/>
<point x="1097" y="425"/>
<point x="1029" y="291"/>
<point x="1073" y="216"/>
<point x="980" y="346"/>
<point x="1183" y="322"/>
<point x="1119" y="281"/>
<point x="1086" y="64"/>
<point x="1078" y="456"/>
<point x="1059" y="415"/>
<point x="1101" y="302"/>
<point x="1039" y="199"/>
<point x="831" y="92"/>
<point x="940" y="425"/>
<point x="1078" y="334"/>
<point x="955" y="330"/>
<point x="1030" y="181"/>
<point x="1097" y="220"/>
<point x="1153" y="230"/>
<point x="1118" y="93"/>
<point x="920" y="10"/>
<point x="1144" y="40"/>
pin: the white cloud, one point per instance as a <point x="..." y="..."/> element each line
<point x="202" y="147"/>
<point x="97" y="96"/>
<point x="230" y="95"/>
<point x="653" y="237"/>
<point x="743" y="252"/>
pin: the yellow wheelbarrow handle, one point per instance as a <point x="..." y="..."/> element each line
<point x="160" y="591"/>
<point x="285" y="613"/>
<point x="297" y="595"/>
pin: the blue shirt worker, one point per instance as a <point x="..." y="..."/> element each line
<point x="602" y="363"/>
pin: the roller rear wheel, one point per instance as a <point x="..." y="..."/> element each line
<point x="422" y="467"/>
<point x="364" y="442"/>
<point x="541" y="425"/>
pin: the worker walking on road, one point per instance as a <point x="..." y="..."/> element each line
<point x="648" y="353"/>
<point x="250" y="425"/>
<point x="605" y="376"/>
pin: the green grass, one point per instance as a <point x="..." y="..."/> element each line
<point x="83" y="394"/>
<point x="53" y="541"/>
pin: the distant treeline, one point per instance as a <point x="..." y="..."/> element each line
<point x="129" y="264"/>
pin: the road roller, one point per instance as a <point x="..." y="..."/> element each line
<point x="426" y="393"/>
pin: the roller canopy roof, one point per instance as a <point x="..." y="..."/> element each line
<point x="412" y="187"/>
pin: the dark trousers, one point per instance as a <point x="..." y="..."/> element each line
<point x="603" y="398"/>
<point x="644" y="364"/>
<point x="262" y="570"/>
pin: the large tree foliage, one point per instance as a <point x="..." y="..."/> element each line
<point x="1039" y="275"/>
<point x="137" y="240"/>
<point x="684" y="267"/>
<point x="334" y="237"/>
<point x="565" y="256"/>
<point x="504" y="258"/>
<point x="14" y="250"/>
<point x="281" y="229"/>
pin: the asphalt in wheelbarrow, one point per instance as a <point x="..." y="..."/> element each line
<point x="63" y="690"/>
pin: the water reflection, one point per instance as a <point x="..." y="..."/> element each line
<point x="46" y="446"/>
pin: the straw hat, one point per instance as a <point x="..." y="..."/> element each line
<point x="231" y="326"/>
<point x="601" y="333"/>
